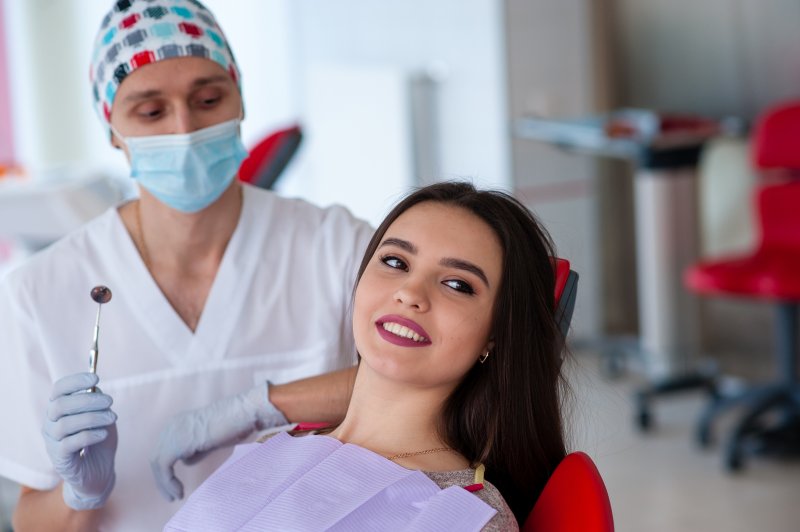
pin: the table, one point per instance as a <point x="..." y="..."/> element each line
<point x="665" y="150"/>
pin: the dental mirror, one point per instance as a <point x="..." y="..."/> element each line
<point x="100" y="295"/>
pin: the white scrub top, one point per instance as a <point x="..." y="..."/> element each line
<point x="279" y="309"/>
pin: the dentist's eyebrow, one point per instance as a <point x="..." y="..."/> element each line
<point x="199" y="82"/>
<point x="466" y="266"/>
<point x="142" y="95"/>
<point x="448" y="262"/>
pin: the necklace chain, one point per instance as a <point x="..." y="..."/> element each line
<point x="417" y="453"/>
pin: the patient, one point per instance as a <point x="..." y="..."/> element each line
<point x="453" y="317"/>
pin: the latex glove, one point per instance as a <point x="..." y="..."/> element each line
<point x="75" y="420"/>
<point x="190" y="435"/>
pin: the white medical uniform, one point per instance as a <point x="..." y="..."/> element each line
<point x="279" y="309"/>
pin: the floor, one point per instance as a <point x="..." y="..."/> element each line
<point x="660" y="481"/>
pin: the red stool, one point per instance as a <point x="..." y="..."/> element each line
<point x="771" y="272"/>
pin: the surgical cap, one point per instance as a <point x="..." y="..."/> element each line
<point x="136" y="33"/>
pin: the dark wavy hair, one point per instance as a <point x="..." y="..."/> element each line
<point x="506" y="413"/>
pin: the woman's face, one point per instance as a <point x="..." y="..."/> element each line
<point x="423" y="306"/>
<point x="177" y="95"/>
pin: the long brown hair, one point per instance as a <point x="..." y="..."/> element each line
<point x="506" y="413"/>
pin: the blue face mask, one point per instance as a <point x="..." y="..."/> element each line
<point x="187" y="172"/>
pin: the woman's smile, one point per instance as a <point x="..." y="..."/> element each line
<point x="402" y="331"/>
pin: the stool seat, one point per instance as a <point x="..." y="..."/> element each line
<point x="771" y="274"/>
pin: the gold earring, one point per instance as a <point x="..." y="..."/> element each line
<point x="483" y="357"/>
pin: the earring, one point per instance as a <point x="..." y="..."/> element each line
<point x="483" y="357"/>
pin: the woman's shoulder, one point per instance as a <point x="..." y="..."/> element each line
<point x="503" y="520"/>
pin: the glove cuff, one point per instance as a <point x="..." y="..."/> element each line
<point x="267" y="416"/>
<point x="78" y="502"/>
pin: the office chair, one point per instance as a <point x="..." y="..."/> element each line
<point x="771" y="272"/>
<point x="573" y="500"/>
<point x="269" y="157"/>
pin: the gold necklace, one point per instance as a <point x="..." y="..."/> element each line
<point x="417" y="453"/>
<point x="140" y="235"/>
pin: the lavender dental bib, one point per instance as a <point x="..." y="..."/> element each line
<point x="318" y="483"/>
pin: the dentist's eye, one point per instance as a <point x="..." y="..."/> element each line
<point x="394" y="262"/>
<point x="460" y="286"/>
<point x="149" y="112"/>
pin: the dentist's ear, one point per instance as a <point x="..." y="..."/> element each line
<point x="115" y="142"/>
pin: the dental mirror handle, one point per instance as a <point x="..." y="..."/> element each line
<point x="93" y="351"/>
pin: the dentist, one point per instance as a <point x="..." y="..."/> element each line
<point x="218" y="287"/>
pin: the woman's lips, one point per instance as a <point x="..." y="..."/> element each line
<point x="402" y="331"/>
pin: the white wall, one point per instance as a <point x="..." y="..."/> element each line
<point x="716" y="57"/>
<point x="457" y="42"/>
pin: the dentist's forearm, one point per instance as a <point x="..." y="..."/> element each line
<point x="46" y="510"/>
<point x="323" y="398"/>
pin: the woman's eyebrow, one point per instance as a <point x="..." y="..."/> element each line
<point x="466" y="266"/>
<point x="402" y="244"/>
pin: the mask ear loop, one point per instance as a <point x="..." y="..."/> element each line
<point x="114" y="131"/>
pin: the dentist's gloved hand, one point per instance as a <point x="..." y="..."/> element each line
<point x="75" y="420"/>
<point x="190" y="435"/>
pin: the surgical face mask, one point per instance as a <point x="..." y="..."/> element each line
<point x="187" y="172"/>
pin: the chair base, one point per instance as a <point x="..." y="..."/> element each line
<point x="771" y="425"/>
<point x="698" y="379"/>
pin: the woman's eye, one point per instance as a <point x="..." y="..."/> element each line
<point x="460" y="286"/>
<point x="394" y="262"/>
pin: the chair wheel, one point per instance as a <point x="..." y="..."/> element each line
<point x="733" y="460"/>
<point x="612" y="365"/>
<point x="703" y="437"/>
<point x="644" y="421"/>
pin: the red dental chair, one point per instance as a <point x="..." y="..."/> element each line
<point x="270" y="156"/>
<point x="575" y="498"/>
<point x="771" y="272"/>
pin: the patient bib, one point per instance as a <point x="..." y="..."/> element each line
<point x="318" y="483"/>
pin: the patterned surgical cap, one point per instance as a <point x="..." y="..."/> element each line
<point x="135" y="33"/>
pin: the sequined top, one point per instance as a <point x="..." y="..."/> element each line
<point x="502" y="521"/>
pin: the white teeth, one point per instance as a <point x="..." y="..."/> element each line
<point x="405" y="332"/>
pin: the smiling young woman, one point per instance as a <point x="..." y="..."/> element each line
<point x="453" y="318"/>
<point x="504" y="413"/>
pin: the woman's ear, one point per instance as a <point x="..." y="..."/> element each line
<point x="487" y="350"/>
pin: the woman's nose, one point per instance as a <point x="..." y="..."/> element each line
<point x="413" y="294"/>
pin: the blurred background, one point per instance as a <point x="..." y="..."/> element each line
<point x="391" y="95"/>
